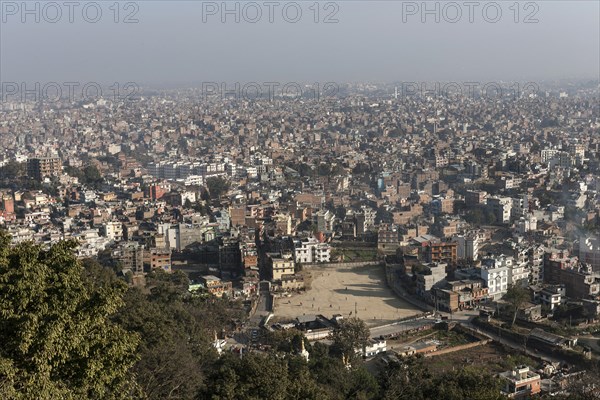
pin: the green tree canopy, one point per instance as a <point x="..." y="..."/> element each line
<point x="516" y="296"/>
<point x="58" y="340"/>
<point x="349" y="336"/>
<point x="217" y="186"/>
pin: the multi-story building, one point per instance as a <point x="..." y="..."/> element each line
<point x="439" y="251"/>
<point x="426" y="280"/>
<point x="113" y="230"/>
<point x="310" y="250"/>
<point x="442" y="205"/>
<point x="536" y="264"/>
<point x="249" y="254"/>
<point x="549" y="154"/>
<point x="496" y="278"/>
<point x="279" y="266"/>
<point x="521" y="383"/>
<point x="325" y="221"/>
<point x="40" y="168"/>
<point x="130" y="256"/>
<point x="552" y="296"/>
<point x="589" y="251"/>
<point x="216" y="286"/>
<point x="580" y="281"/>
<point x="8" y="204"/>
<point x="475" y="198"/>
<point x="520" y="271"/>
<point x="501" y="208"/>
<point x="230" y="257"/>
<point x="457" y="295"/>
<point x="468" y="246"/>
<point x="283" y="223"/>
<point x="388" y="238"/>
<point x="158" y="259"/>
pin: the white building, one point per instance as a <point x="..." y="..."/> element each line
<point x="468" y="246"/>
<point x="325" y="221"/>
<point x="310" y="250"/>
<point x="495" y="277"/>
<point x="553" y="296"/>
<point x="90" y="243"/>
<point x="188" y="195"/>
<point x="112" y="230"/>
<point x="373" y="348"/>
<point x="526" y="224"/>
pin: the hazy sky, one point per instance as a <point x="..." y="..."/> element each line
<point x="374" y="41"/>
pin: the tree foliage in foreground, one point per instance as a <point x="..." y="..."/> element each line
<point x="57" y="337"/>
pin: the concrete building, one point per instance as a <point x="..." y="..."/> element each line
<point x="501" y="208"/>
<point x="589" y="251"/>
<point x="279" y="266"/>
<point x="158" y="259"/>
<point x="388" y="238"/>
<point x="520" y="383"/>
<point x="468" y="246"/>
<point x="325" y="221"/>
<point x="475" y="198"/>
<point x="426" y="280"/>
<point x="535" y="255"/>
<point x="496" y="278"/>
<point x="310" y="250"/>
<point x="40" y="168"/>
<point x="457" y="295"/>
<point x="113" y="230"/>
<point x="552" y="296"/>
<point x="130" y="256"/>
<point x="438" y="251"/>
<point x="216" y="286"/>
<point x="580" y="281"/>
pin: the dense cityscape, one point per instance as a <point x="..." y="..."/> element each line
<point x="372" y="242"/>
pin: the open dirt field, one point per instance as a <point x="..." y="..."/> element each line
<point x="356" y="291"/>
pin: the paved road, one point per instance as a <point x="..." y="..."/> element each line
<point x="402" y="326"/>
<point x="399" y="327"/>
<point x="514" y="345"/>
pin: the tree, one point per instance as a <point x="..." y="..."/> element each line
<point x="490" y="218"/>
<point x="411" y="380"/>
<point x="261" y="376"/>
<point x="384" y="216"/>
<point x="465" y="383"/>
<point x="91" y="175"/>
<point x="475" y="216"/>
<point x="516" y="296"/>
<point x="349" y="336"/>
<point x="58" y="339"/>
<point x="217" y="186"/>
<point x="303" y="169"/>
<point x="361" y="168"/>
<point x="174" y="350"/>
<point x="324" y="169"/>
<point x="405" y="380"/>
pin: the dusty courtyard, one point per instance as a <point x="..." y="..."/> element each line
<point x="350" y="291"/>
